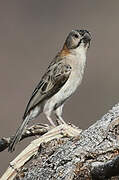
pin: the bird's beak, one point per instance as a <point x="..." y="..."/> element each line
<point x="87" y="38"/>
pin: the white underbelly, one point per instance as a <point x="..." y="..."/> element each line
<point x="77" y="61"/>
<point x="70" y="87"/>
<point x="65" y="92"/>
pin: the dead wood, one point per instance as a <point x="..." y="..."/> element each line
<point x="66" y="153"/>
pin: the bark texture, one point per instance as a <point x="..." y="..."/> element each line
<point x="94" y="154"/>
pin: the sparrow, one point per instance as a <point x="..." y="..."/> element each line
<point x="62" y="77"/>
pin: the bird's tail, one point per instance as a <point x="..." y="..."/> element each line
<point x="18" y="134"/>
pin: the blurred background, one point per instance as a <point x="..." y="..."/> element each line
<point x="31" y="33"/>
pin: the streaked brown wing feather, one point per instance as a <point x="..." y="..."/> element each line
<point x="51" y="83"/>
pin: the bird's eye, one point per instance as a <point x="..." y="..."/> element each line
<point x="76" y="35"/>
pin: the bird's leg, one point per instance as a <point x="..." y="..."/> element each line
<point x="58" y="113"/>
<point x="51" y="121"/>
<point x="48" y="114"/>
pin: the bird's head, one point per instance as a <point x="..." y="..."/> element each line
<point x="77" y="39"/>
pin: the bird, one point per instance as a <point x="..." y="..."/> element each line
<point x="61" y="79"/>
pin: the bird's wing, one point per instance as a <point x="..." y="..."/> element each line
<point x="52" y="81"/>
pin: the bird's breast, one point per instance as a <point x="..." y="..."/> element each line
<point x="71" y="84"/>
<point x="75" y="78"/>
<point x="69" y="87"/>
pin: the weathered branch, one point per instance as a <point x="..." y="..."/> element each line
<point x="62" y="154"/>
<point x="35" y="130"/>
<point x="105" y="170"/>
<point x="32" y="150"/>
